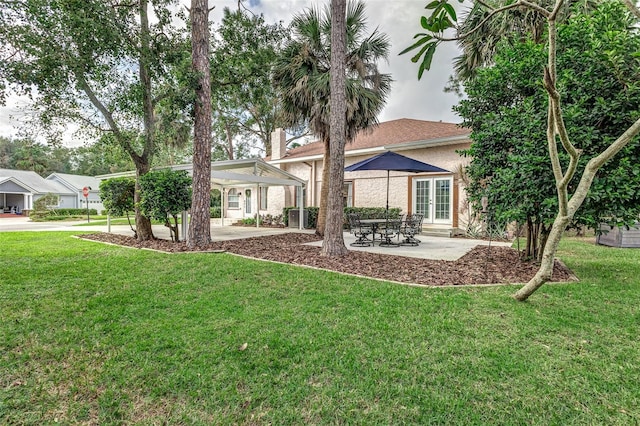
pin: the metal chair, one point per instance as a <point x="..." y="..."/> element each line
<point x="389" y="230"/>
<point x="411" y="227"/>
<point x="360" y="231"/>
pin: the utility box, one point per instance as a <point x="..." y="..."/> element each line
<point x="619" y="236"/>
<point x="294" y="218"/>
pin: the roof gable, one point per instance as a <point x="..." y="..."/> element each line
<point x="75" y="182"/>
<point x="34" y="182"/>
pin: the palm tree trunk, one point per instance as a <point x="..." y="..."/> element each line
<point x="324" y="190"/>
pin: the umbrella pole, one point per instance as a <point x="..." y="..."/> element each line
<point x="387" y="212"/>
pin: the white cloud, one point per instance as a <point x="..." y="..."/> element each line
<point x="409" y="97"/>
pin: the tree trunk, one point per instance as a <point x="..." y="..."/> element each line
<point x="143" y="223"/>
<point x="200" y="226"/>
<point x="556" y="130"/>
<point x="333" y="244"/>
<point x="143" y="162"/>
<point x="324" y="190"/>
<point x="548" y="257"/>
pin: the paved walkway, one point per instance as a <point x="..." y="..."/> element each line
<point x="437" y="248"/>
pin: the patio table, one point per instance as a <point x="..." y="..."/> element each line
<point x="375" y="225"/>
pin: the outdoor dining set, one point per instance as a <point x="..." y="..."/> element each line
<point x="387" y="232"/>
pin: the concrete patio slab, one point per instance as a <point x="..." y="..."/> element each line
<point x="436" y="248"/>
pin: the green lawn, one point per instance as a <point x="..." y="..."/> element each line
<point x="96" y="334"/>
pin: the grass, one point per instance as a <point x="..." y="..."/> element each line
<point x="96" y="334"/>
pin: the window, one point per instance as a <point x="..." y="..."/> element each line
<point x="263" y="198"/>
<point x="233" y="199"/>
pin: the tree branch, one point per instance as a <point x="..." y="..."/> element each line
<point x="519" y="3"/>
<point x="596" y="162"/>
<point x="632" y="7"/>
<point x="126" y="145"/>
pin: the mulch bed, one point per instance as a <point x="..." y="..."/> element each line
<point x="482" y="265"/>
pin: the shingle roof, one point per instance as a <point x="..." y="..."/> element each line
<point x="34" y="181"/>
<point x="389" y="133"/>
<point x="76" y="181"/>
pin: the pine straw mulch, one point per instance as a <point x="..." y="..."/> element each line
<point x="482" y="265"/>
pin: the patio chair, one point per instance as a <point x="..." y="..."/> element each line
<point x="360" y="231"/>
<point x="411" y="227"/>
<point x="389" y="230"/>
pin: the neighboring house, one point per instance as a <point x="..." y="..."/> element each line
<point x="439" y="196"/>
<point x="75" y="184"/>
<point x="20" y="188"/>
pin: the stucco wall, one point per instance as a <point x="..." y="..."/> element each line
<point x="369" y="187"/>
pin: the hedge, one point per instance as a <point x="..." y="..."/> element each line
<point x="72" y="212"/>
<point x="364" y="212"/>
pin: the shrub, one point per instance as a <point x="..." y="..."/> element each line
<point x="215" y="212"/>
<point x="73" y="212"/>
<point x="364" y="212"/>
<point x="164" y="194"/>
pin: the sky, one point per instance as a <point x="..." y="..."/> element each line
<point x="399" y="19"/>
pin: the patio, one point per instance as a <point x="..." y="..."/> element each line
<point x="435" y="248"/>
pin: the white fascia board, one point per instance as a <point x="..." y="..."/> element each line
<point x="131" y="173"/>
<point x="427" y="143"/>
<point x="62" y="182"/>
<point x="241" y="178"/>
<point x="450" y="140"/>
<point x="19" y="183"/>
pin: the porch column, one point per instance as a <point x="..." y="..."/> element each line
<point x="184" y="225"/>
<point x="222" y="197"/>
<point x="258" y="206"/>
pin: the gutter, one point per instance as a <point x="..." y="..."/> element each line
<point x="450" y="140"/>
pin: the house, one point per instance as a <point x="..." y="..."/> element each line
<point x="19" y="189"/>
<point x="439" y="196"/>
<point x="75" y="184"/>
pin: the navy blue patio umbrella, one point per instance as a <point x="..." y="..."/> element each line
<point x="391" y="161"/>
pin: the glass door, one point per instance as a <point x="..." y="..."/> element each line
<point x="442" y="201"/>
<point x="247" y="201"/>
<point x="433" y="198"/>
<point x="422" y="198"/>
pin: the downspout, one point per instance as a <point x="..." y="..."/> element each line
<point x="312" y="180"/>
<point x="301" y="208"/>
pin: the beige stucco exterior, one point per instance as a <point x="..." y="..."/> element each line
<point x="434" y="143"/>
<point x="369" y="187"/>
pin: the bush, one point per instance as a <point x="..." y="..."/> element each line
<point x="364" y="212"/>
<point x="73" y="212"/>
<point x="373" y="212"/>
<point x="215" y="212"/>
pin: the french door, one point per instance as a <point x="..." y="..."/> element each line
<point x="433" y="197"/>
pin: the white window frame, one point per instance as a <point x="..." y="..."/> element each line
<point x="263" y="197"/>
<point x="233" y="199"/>
<point x="430" y="217"/>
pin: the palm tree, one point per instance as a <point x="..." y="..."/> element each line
<point x="480" y="46"/>
<point x="301" y="74"/>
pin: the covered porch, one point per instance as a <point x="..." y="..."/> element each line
<point x="249" y="177"/>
